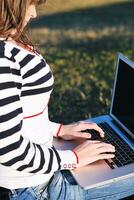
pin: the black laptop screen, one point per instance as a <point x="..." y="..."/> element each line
<point x="123" y="102"/>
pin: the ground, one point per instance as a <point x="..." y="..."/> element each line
<point x="80" y="41"/>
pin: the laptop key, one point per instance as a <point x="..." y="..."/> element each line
<point x="123" y="154"/>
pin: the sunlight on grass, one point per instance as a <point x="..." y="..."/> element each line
<point x="56" y="37"/>
<point x="56" y="6"/>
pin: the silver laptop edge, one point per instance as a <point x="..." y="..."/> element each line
<point x="99" y="173"/>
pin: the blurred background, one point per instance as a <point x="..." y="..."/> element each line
<point x="80" y="40"/>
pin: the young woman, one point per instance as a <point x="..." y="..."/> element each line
<point x="30" y="167"/>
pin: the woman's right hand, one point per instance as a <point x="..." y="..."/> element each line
<point x="91" y="151"/>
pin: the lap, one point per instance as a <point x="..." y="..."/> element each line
<point x="60" y="189"/>
<point x="32" y="193"/>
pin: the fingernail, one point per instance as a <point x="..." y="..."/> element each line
<point x="103" y="134"/>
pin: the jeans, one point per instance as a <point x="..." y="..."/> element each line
<point x="61" y="189"/>
<point x="32" y="193"/>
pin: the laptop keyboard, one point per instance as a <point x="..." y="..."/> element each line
<point x="124" y="154"/>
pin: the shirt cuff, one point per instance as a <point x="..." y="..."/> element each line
<point x="54" y="127"/>
<point x="68" y="159"/>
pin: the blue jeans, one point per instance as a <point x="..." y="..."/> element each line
<point x="60" y="189"/>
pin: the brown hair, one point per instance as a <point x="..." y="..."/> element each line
<point x="12" y="14"/>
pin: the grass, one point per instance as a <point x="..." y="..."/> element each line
<point x="80" y="40"/>
<point x="58" y="6"/>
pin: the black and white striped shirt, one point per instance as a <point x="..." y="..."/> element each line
<point x="27" y="156"/>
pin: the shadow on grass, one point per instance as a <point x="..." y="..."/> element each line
<point x="109" y="15"/>
<point x="114" y="43"/>
<point x="94" y="19"/>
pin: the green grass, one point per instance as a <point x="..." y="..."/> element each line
<point x="80" y="40"/>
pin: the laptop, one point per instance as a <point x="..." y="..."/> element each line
<point x="118" y="126"/>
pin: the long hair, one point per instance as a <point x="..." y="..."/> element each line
<point x="12" y="16"/>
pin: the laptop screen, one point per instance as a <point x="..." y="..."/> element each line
<point x="122" y="108"/>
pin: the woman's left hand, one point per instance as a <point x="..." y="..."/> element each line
<point x="73" y="131"/>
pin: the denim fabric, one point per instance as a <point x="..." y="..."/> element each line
<point x="32" y="193"/>
<point x="61" y="189"/>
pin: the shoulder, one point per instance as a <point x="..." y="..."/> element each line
<point x="13" y="52"/>
<point x="7" y="49"/>
<point x="19" y="56"/>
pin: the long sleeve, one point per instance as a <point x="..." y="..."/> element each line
<point x="17" y="151"/>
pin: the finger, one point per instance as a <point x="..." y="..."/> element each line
<point x="85" y="135"/>
<point x="81" y="135"/>
<point x="104" y="145"/>
<point x="104" y="149"/>
<point x="101" y="147"/>
<point x="98" y="129"/>
<point x="105" y="156"/>
<point x="101" y="157"/>
<point x="92" y="125"/>
<point x="94" y="141"/>
<point x="96" y="148"/>
<point x="88" y="144"/>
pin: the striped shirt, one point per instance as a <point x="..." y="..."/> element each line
<point x="27" y="156"/>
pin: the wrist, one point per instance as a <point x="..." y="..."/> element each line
<point x="76" y="155"/>
<point x="59" y="131"/>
